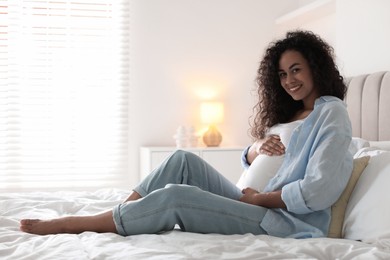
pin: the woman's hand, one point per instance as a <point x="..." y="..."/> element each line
<point x="250" y="196"/>
<point x="271" y="145"/>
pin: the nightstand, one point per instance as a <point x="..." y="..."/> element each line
<point x="226" y="160"/>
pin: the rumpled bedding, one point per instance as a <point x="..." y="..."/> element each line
<point x="175" y="244"/>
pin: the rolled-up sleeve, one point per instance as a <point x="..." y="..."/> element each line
<point x="292" y="197"/>
<point x="244" y="161"/>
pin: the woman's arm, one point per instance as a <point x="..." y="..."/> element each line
<point x="267" y="199"/>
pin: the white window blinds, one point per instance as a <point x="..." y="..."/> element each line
<point x="63" y="94"/>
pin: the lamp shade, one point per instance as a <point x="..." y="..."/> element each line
<point x="211" y="112"/>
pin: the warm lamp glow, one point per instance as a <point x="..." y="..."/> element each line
<point x="211" y="113"/>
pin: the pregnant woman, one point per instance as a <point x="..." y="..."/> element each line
<point x="299" y="88"/>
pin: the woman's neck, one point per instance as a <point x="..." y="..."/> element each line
<point x="301" y="114"/>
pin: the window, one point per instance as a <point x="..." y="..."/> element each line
<point x="63" y="94"/>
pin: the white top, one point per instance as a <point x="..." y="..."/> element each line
<point x="264" y="167"/>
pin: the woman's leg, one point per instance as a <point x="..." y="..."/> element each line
<point x="193" y="209"/>
<point x="133" y="196"/>
<point x="75" y="224"/>
<point x="180" y="168"/>
<point x="177" y="169"/>
<point x="187" y="168"/>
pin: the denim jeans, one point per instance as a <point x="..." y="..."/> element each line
<point x="186" y="191"/>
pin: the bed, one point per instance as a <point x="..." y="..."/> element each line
<point x="363" y="226"/>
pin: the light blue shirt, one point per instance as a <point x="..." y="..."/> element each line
<point x="314" y="173"/>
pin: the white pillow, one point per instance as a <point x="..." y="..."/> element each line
<point x="367" y="216"/>
<point x="383" y="145"/>
<point x="368" y="151"/>
<point x="356" y="144"/>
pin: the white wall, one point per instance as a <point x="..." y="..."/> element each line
<point x="363" y="38"/>
<point x="357" y="29"/>
<point x="180" y="48"/>
<point x="314" y="15"/>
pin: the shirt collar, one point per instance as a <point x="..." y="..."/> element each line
<point x="324" y="99"/>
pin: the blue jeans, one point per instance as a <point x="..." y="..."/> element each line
<point x="187" y="191"/>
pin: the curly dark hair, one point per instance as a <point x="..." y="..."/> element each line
<point x="275" y="105"/>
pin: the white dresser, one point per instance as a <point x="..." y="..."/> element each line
<point x="226" y="160"/>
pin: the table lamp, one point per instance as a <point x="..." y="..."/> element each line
<point x="211" y="114"/>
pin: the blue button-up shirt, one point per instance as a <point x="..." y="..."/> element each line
<point x="314" y="173"/>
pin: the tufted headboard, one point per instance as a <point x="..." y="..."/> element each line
<point x="368" y="101"/>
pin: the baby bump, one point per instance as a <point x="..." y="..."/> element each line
<point x="262" y="169"/>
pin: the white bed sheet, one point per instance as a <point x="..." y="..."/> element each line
<point x="171" y="245"/>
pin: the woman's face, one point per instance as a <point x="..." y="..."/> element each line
<point x="296" y="78"/>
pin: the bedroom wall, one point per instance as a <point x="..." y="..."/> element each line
<point x="318" y="16"/>
<point x="184" y="48"/>
<point x="357" y="29"/>
<point x="363" y="37"/>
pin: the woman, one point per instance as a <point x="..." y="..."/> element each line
<point x="297" y="80"/>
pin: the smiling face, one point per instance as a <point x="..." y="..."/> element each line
<point x="296" y="78"/>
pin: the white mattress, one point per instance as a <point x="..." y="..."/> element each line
<point x="171" y="245"/>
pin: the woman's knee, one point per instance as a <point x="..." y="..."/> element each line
<point x="174" y="193"/>
<point x="177" y="158"/>
<point x="182" y="155"/>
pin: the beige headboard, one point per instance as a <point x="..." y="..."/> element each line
<point x="368" y="101"/>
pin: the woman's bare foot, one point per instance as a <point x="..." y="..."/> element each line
<point x="44" y="227"/>
<point x="74" y="224"/>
